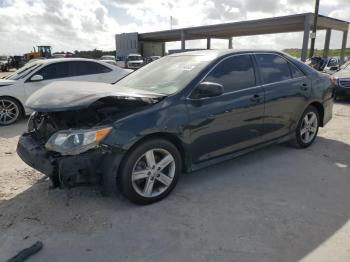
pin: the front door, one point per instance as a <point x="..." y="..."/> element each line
<point x="231" y="121"/>
<point x="52" y="72"/>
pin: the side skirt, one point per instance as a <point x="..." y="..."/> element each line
<point x="217" y="160"/>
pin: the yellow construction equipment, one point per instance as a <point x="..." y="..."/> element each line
<point x="43" y="52"/>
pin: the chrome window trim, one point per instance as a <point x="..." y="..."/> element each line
<point x="214" y="66"/>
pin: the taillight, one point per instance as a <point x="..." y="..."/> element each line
<point x="334" y="80"/>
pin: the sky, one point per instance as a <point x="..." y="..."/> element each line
<point x="69" y="25"/>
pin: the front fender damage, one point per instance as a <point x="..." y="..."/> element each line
<point x="78" y="105"/>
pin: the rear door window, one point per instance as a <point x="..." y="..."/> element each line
<point x="234" y="73"/>
<point x="273" y="68"/>
<point x="88" y="68"/>
<point x="295" y="71"/>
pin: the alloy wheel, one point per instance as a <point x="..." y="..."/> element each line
<point x="308" y="128"/>
<point x="153" y="172"/>
<point x="9" y="111"/>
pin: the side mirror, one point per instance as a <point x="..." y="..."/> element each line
<point x="36" y="78"/>
<point x="208" y="89"/>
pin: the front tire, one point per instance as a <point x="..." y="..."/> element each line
<point x="307" y="129"/>
<point x="10" y="111"/>
<point x="150" y="171"/>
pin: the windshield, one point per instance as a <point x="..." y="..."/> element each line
<point x="28" y="68"/>
<point x="3" y="58"/>
<point x="166" y="75"/>
<point x="134" y="57"/>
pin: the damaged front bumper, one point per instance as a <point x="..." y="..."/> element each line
<point x="97" y="166"/>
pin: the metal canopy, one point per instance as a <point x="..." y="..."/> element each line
<point x="282" y="24"/>
<point x="274" y="25"/>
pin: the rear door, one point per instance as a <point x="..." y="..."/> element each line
<point x="286" y="92"/>
<point x="92" y="71"/>
<point x="231" y="121"/>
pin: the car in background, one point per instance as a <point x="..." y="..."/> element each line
<point x="17" y="87"/>
<point x="108" y="57"/>
<point x="341" y="81"/>
<point x="111" y="62"/>
<point x="152" y="58"/>
<point x="17" y="61"/>
<point x="327" y="65"/>
<point x="331" y="65"/>
<point x="4" y="64"/>
<point x="131" y="61"/>
<point x="178" y="114"/>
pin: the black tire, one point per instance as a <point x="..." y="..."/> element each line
<point x="19" y="111"/>
<point x="124" y="178"/>
<point x="298" y="141"/>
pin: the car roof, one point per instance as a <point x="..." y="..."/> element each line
<point x="55" y="60"/>
<point x="222" y="52"/>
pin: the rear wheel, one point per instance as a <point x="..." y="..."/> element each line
<point x="150" y="172"/>
<point x="307" y="128"/>
<point x="10" y="111"/>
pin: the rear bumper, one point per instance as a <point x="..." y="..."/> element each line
<point x="328" y="110"/>
<point x="99" y="166"/>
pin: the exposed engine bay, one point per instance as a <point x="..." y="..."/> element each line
<point x="82" y="105"/>
<point x="102" y="112"/>
<point x="70" y="120"/>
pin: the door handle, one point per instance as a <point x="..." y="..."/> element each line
<point x="304" y="87"/>
<point x="255" y="98"/>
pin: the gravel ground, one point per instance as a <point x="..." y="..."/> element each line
<point x="276" y="204"/>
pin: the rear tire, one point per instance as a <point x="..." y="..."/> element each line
<point x="307" y="129"/>
<point x="150" y="171"/>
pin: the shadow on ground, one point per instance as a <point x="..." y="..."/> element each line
<point x="343" y="100"/>
<point x="15" y="129"/>
<point x="276" y="204"/>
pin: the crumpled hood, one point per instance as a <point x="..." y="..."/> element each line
<point x="6" y="82"/>
<point x="72" y="95"/>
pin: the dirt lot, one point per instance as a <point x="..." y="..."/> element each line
<point x="276" y="204"/>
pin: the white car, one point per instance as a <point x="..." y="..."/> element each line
<point x="132" y="61"/>
<point x="111" y="62"/>
<point x="17" y="87"/>
<point x="107" y="57"/>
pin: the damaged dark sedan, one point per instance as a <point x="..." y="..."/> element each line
<point x="177" y="114"/>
